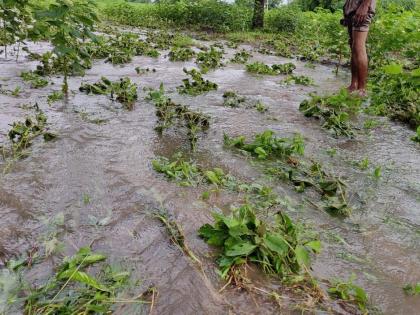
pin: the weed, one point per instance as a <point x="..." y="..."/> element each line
<point x="181" y="54"/>
<point x="54" y="97"/>
<point x="332" y="152"/>
<point x="275" y="69"/>
<point x="348" y="291"/>
<point x="371" y="124"/>
<point x="241" y="57"/>
<point x="334" y="110"/>
<point x="277" y="248"/>
<point x="298" y="79"/>
<point x="231" y="99"/>
<point x="197" y="85"/>
<point x="377" y="172"/>
<point x="34" y="79"/>
<point x="209" y="60"/>
<point x="412" y="289"/>
<point x="363" y="164"/>
<point x="124" y="90"/>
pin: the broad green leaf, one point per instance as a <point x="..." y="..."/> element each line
<point x="276" y="243"/>
<point x="240" y="249"/>
<point x="302" y="256"/>
<point x="314" y="245"/>
<point x="82" y="277"/>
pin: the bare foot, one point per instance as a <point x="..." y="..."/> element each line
<point x="362" y="93"/>
<point x="351" y="88"/>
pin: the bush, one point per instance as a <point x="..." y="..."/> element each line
<point x="209" y="15"/>
<point x="283" y="19"/>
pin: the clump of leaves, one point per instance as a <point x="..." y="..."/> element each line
<point x="267" y="145"/>
<point x="169" y="112"/>
<point x="124" y="90"/>
<point x="209" y="60"/>
<point x="241" y="56"/>
<point x="298" y="79"/>
<point x="416" y="137"/>
<point x="349" y="292"/>
<point x="412" y="289"/>
<point x="198" y="85"/>
<point x="262" y="68"/>
<point x="231" y="99"/>
<point x="34" y="79"/>
<point x="54" y="97"/>
<point x="144" y="70"/>
<point x="186" y="173"/>
<point x="73" y="290"/>
<point x="181" y="54"/>
<point x="278" y="248"/>
<point x="334" y="111"/>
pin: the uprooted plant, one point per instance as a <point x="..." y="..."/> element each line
<point x="231" y="99"/>
<point x="170" y="113"/>
<point x="74" y="290"/>
<point x="124" y="91"/>
<point x="281" y="156"/>
<point x="278" y="248"/>
<point x="198" y="85"/>
<point x="335" y="111"/>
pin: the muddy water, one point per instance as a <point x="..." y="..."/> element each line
<point x="99" y="178"/>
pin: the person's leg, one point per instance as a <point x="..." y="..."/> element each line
<point x="360" y="58"/>
<point x="354" y="75"/>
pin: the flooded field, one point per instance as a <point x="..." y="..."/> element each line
<point x="95" y="185"/>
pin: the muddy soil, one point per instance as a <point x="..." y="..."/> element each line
<point x="111" y="164"/>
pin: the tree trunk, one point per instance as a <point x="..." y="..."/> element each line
<point x="258" y="19"/>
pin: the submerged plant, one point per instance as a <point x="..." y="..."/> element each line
<point x="34" y="79"/>
<point x="278" y="248"/>
<point x="241" y="56"/>
<point x="267" y="145"/>
<point x="72" y="290"/>
<point x="181" y="54"/>
<point x="334" y="111"/>
<point x="54" y="97"/>
<point x="209" y="60"/>
<point x="298" y="79"/>
<point x="169" y="113"/>
<point x="198" y="85"/>
<point x="186" y="173"/>
<point x="412" y="289"/>
<point x="123" y="90"/>
<point x="231" y="99"/>
<point x="275" y="69"/>
<point x="416" y="137"/>
<point x="349" y="292"/>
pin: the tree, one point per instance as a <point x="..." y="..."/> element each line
<point x="69" y="23"/>
<point x="258" y="18"/>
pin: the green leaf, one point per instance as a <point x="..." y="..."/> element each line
<point x="82" y="277"/>
<point x="211" y="235"/>
<point x="302" y="256"/>
<point x="314" y="245"/>
<point x="212" y="177"/>
<point x="240" y="249"/>
<point x="276" y="243"/>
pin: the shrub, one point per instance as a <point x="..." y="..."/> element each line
<point x="283" y="19"/>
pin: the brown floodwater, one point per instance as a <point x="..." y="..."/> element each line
<point x="110" y="163"/>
